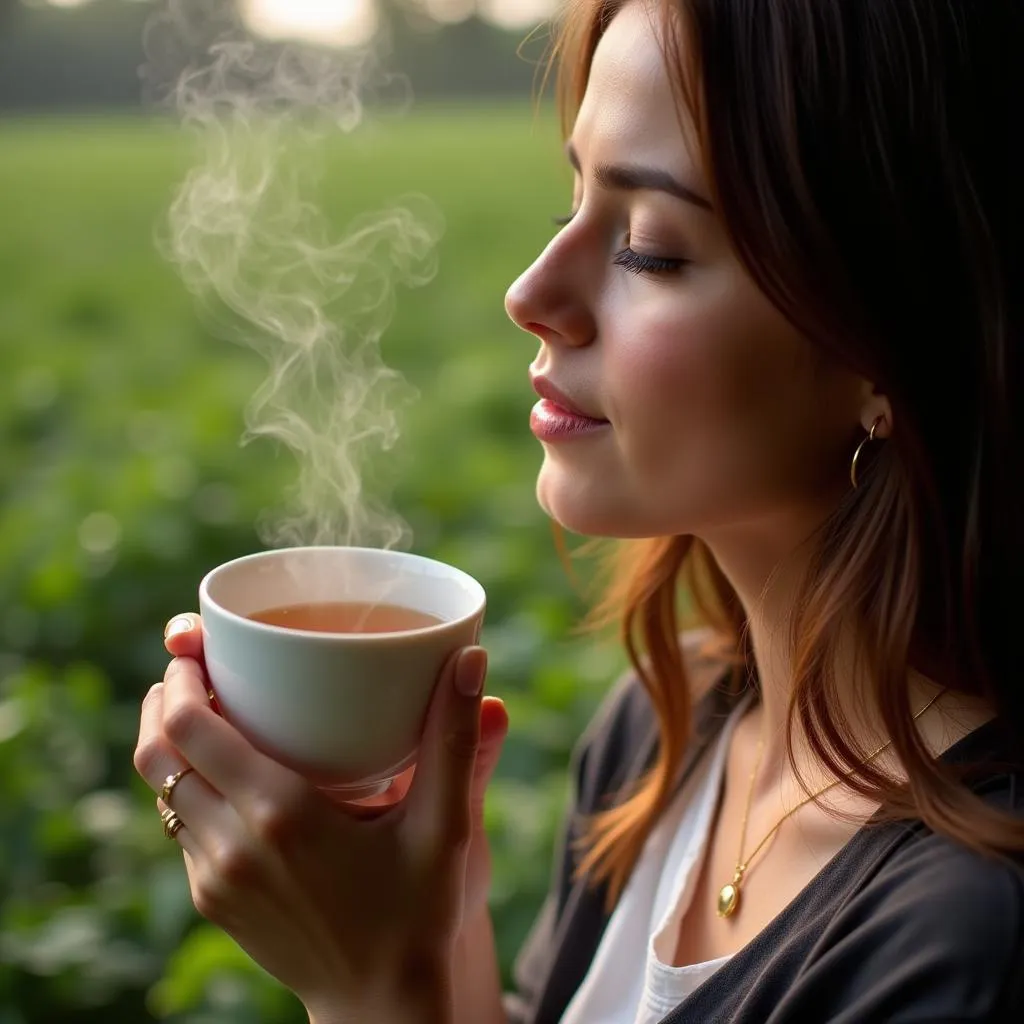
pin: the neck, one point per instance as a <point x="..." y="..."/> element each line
<point x="767" y="577"/>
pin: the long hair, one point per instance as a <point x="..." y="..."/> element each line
<point x="864" y="162"/>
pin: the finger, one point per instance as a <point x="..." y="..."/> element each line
<point x="255" y="785"/>
<point x="183" y="636"/>
<point x="493" y="731"/>
<point x="493" y="720"/>
<point x="157" y="763"/>
<point x="183" y="836"/>
<point x="220" y="753"/>
<point x="440" y="794"/>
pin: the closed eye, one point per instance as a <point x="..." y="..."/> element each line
<point x="635" y="262"/>
<point x="638" y="263"/>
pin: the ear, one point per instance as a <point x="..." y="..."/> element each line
<point x="875" y="408"/>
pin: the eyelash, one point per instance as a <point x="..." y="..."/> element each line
<point x="638" y="263"/>
<point x="635" y="262"/>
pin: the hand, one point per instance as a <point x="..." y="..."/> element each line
<point x="185" y="640"/>
<point x="349" y="913"/>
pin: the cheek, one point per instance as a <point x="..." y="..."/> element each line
<point x="696" y="372"/>
<point x="712" y="397"/>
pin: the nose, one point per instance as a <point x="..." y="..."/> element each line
<point x="550" y="299"/>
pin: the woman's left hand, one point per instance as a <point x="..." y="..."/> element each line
<point x="287" y="872"/>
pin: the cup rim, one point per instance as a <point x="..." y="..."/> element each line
<point x="319" y="635"/>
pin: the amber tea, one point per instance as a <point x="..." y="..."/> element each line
<point x="346" y="617"/>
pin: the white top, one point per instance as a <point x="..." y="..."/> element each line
<point x="631" y="980"/>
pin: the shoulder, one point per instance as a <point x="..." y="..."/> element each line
<point x="936" y="926"/>
<point x="943" y="890"/>
<point x="937" y="884"/>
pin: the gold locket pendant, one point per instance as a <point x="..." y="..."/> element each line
<point x="729" y="896"/>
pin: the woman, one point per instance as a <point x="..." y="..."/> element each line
<point x="780" y="357"/>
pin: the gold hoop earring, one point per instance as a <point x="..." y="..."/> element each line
<point x="856" y="455"/>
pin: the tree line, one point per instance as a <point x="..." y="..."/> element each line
<point x="89" y="57"/>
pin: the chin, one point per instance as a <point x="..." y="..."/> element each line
<point x="592" y="515"/>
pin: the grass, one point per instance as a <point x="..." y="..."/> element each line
<point x="122" y="481"/>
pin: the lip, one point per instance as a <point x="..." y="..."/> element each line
<point x="563" y="403"/>
<point x="551" y="422"/>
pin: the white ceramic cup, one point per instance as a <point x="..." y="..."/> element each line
<point x="344" y="709"/>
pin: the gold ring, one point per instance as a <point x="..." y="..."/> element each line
<point x="170" y="782"/>
<point x="172" y="823"/>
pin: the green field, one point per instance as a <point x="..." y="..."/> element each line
<point x="123" y="481"/>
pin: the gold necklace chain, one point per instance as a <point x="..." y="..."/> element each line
<point x="729" y="894"/>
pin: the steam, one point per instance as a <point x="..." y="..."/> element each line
<point x="248" y="239"/>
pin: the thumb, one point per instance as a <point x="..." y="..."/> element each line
<point x="439" y="800"/>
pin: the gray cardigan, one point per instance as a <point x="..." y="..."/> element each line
<point x="900" y="926"/>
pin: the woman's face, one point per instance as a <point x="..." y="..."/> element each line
<point x="715" y="413"/>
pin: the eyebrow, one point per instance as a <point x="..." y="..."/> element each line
<point x="631" y="178"/>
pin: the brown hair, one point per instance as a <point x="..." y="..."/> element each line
<point x="864" y="162"/>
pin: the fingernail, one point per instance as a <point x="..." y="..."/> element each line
<point x="182" y="624"/>
<point x="470" y="671"/>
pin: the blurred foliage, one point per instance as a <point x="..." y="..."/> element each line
<point x="122" y="482"/>
<point x="70" y="55"/>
